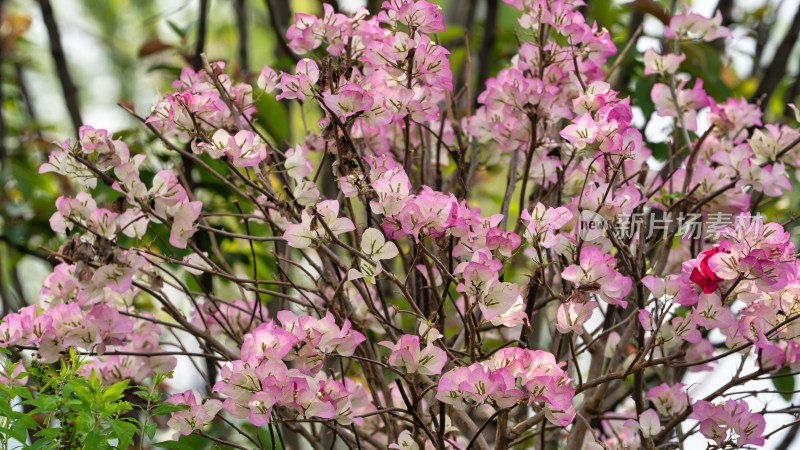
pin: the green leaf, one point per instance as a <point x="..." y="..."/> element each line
<point x="182" y="32"/>
<point x="452" y="33"/>
<point x="142" y="394"/>
<point x="19" y="431"/>
<point x="682" y="311"/>
<point x="171" y="70"/>
<point x="785" y="383"/>
<point x="703" y="61"/>
<point x="42" y="444"/>
<point x="49" y="433"/>
<point x="26" y="420"/>
<point x="123" y="431"/>
<point x="5" y="409"/>
<point x="150" y="430"/>
<point x="115" y="391"/>
<point x="92" y="440"/>
<point x="23" y="392"/>
<point x="168" y="408"/>
<point x="272" y="116"/>
<point x="642" y="95"/>
<point x="660" y="150"/>
<point x="159" y="378"/>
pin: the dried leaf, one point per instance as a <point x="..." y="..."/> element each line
<point x="152" y="46"/>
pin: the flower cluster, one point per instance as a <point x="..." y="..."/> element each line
<point x="165" y="202"/>
<point x="198" y="104"/>
<point x="595" y="274"/>
<point x="261" y="380"/>
<point x="199" y="413"/>
<point x="99" y="329"/>
<point x="406" y="353"/>
<point x="722" y="422"/>
<point x="495" y="381"/>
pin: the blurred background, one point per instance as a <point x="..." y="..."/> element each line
<point x="64" y="63"/>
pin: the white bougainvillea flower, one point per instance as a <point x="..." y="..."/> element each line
<point x="303" y="234"/>
<point x="649" y="423"/>
<point x="661" y="64"/>
<point x="374" y="245"/>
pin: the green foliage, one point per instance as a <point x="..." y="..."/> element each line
<point x="153" y="407"/>
<point x="76" y="411"/>
<point x="785" y="384"/>
<point x="65" y="408"/>
<point x="273" y="117"/>
<point x="703" y="61"/>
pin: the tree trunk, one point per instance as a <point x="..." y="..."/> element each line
<point x="776" y="70"/>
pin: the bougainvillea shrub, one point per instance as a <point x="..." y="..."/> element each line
<point x="378" y="305"/>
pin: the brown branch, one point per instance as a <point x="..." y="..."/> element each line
<point x="202" y="24"/>
<point x="774" y="73"/>
<point x="241" y="23"/>
<point x="57" y="51"/>
<point x="487" y="45"/>
<point x="279" y="16"/>
<point x="2" y="117"/>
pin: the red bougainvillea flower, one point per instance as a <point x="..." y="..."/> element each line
<point x="703" y="276"/>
